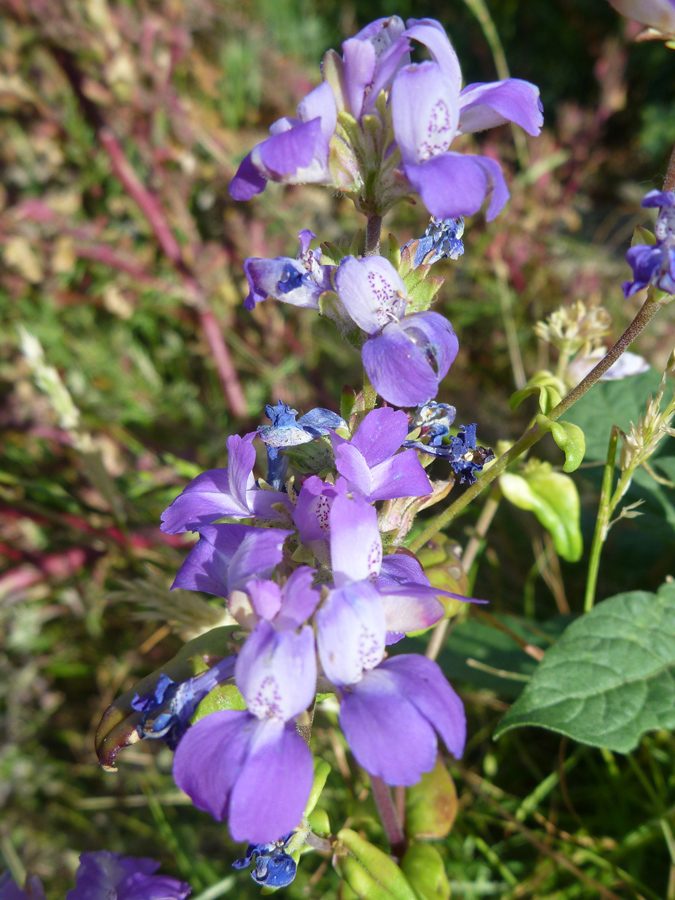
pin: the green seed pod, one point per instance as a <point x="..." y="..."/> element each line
<point x="371" y="873"/>
<point x="423" y="867"/>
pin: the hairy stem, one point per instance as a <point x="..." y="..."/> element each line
<point x="373" y="234"/>
<point x="535" y="433"/>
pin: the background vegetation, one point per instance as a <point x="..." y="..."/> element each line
<point x="121" y="252"/>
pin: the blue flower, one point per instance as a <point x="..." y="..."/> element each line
<point x="273" y="866"/>
<point x="285" y="431"/>
<point x="464" y="457"/>
<point x="442" y="239"/>
<point x="655" y="263"/>
<point x="299" y="281"/>
<point x="167" y="712"/>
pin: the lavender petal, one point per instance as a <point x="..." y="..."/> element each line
<point x="271" y="792"/>
<point x="386" y="733"/>
<point x="210" y="757"/>
<point x="484" y="106"/>
<point x="355" y="542"/>
<point x="453" y="185"/>
<point x="350" y="632"/>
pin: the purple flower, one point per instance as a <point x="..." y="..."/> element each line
<point x="356" y="559"/>
<point x="299" y="282"/>
<point x="371" y="59"/>
<point x="167" y="712"/>
<point x="9" y="890"/>
<point x="107" y="876"/>
<point x="286" y="607"/>
<point x="370" y="465"/>
<point x="103" y="876"/>
<point x="297" y="150"/>
<point x="388" y="710"/>
<point x="655" y="263"/>
<point x="253" y="767"/>
<point x="227" y="557"/>
<point x="390" y="716"/>
<point x="219" y="493"/>
<point x="429" y="110"/>
<point x="405" y="356"/>
<point x="657" y="14"/>
<point x="273" y="866"/>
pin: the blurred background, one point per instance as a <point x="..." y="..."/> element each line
<point x="126" y="360"/>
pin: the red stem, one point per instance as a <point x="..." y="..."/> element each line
<point x="153" y="211"/>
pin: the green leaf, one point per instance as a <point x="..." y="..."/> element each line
<point x="546" y="385"/>
<point x="570" y="438"/>
<point x="611" y="403"/>
<point x="611" y="676"/>
<point x="554" y="500"/>
<point x="431" y="804"/>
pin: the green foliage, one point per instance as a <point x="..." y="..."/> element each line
<point x="610" y="677"/>
<point x="611" y="403"/>
<point x="554" y="499"/>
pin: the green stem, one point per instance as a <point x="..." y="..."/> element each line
<point x="535" y="433"/>
<point x="369" y="393"/>
<point x="373" y="234"/>
<point x="602" y="523"/>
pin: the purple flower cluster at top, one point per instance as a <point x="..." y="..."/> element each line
<point x="106" y="876"/>
<point x="328" y="619"/>
<point x="655" y="263"/>
<point x="428" y="110"/>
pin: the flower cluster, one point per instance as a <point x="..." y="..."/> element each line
<point x="311" y="561"/>
<point x="324" y="620"/>
<point x="106" y="876"/>
<point x="378" y="116"/>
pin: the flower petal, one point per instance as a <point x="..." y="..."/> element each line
<point x="401" y="476"/>
<point x="381" y="434"/>
<point x="398" y="369"/>
<point x="284" y="279"/>
<point x="387" y="734"/>
<point x="284" y="153"/>
<point x="210" y="757"/>
<point x="355" y="542"/>
<point x="423" y="682"/>
<point x="371" y="291"/>
<point x="270" y="794"/>
<point x="276" y="671"/>
<point x="401" y="568"/>
<point x="351" y="465"/>
<point x="483" y="106"/>
<point x="425" y="112"/>
<point x="351" y="632"/>
<point x="453" y="185"/>
<point x="411" y="607"/>
<point x="228" y="556"/>
<point x="432" y="34"/>
<point x="248" y="181"/>
<point x="300" y="599"/>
